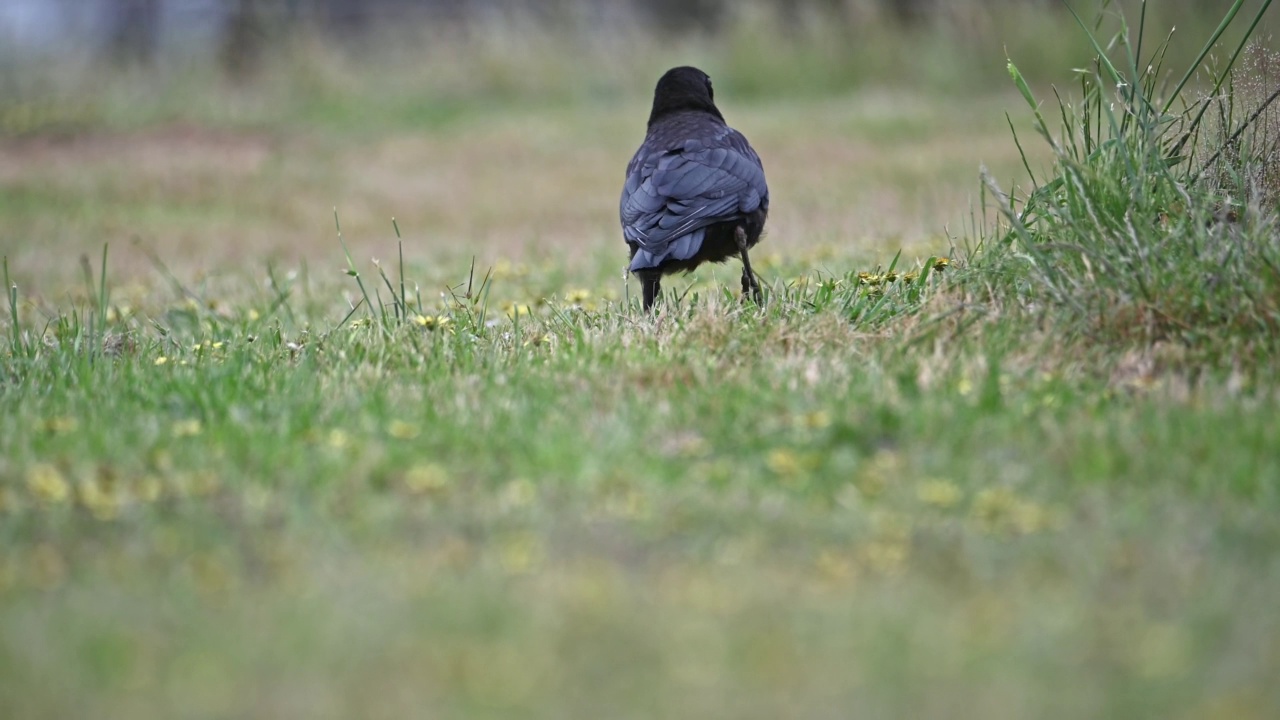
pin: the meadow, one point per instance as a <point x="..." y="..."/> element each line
<point x="1001" y="442"/>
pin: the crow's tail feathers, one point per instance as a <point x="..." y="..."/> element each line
<point x="681" y="248"/>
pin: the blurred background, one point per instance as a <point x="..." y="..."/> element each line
<point x="221" y="134"/>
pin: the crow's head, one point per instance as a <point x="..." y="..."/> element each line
<point x="683" y="88"/>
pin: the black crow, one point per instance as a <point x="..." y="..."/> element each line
<point x="695" y="190"/>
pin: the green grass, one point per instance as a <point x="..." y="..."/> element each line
<point x="236" y="480"/>
<point x="782" y="508"/>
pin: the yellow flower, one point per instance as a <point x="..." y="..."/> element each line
<point x="504" y="269"/>
<point x="149" y="488"/>
<point x="886" y="556"/>
<point x="47" y="484"/>
<point x="834" y="566"/>
<point x="577" y="297"/>
<point x="521" y="553"/>
<point x="939" y="493"/>
<point x="115" y="314"/>
<point x="187" y="428"/>
<point x="816" y="420"/>
<point x="1000" y="511"/>
<point x="940" y="264"/>
<point x="875" y="476"/>
<point x="432" y="322"/>
<point x="338" y="438"/>
<point x="784" y="462"/>
<point x="100" y="499"/>
<point x="515" y="309"/>
<point x="402" y="430"/>
<point x="426" y="478"/>
<point x="161" y="360"/>
<point x="60" y="425"/>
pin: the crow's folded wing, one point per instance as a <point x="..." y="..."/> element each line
<point x="673" y="193"/>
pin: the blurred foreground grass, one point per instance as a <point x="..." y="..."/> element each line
<point x="893" y="491"/>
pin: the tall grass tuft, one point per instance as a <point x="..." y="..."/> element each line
<point x="1157" y="221"/>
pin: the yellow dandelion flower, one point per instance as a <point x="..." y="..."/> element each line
<point x="577" y="297"/>
<point x="60" y="425"/>
<point x="47" y="484"/>
<point x="879" y="470"/>
<point x="426" y="478"/>
<point x="521" y="553"/>
<point x="539" y="340"/>
<point x="432" y="322"/>
<point x="507" y="269"/>
<point x="1000" y="511"/>
<point x="1030" y="518"/>
<point x="187" y="428"/>
<point x="100" y="499"/>
<point x="161" y="360"/>
<point x="252" y="314"/>
<point x="217" y="345"/>
<point x="888" y="557"/>
<point x="939" y="493"/>
<point x="816" y="420"/>
<point x="402" y="430"/>
<point x="940" y="264"/>
<point x="211" y="574"/>
<point x="515" y="309"/>
<point x="832" y="565"/>
<point x="149" y="488"/>
<point x="784" y="462"/>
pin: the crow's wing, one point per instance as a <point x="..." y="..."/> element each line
<point x="672" y="194"/>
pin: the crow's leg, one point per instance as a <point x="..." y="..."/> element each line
<point x="749" y="281"/>
<point x="652" y="284"/>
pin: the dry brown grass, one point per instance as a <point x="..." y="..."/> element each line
<point x="860" y="176"/>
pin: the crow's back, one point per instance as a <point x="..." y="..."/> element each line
<point x="692" y="171"/>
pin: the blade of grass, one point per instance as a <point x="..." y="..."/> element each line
<point x="15" y="332"/>
<point x="351" y="266"/>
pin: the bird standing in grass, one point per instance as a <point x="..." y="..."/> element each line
<point x="695" y="190"/>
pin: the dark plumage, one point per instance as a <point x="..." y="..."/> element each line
<point x="695" y="190"/>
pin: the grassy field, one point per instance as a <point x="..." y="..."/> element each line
<point x="942" y="473"/>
